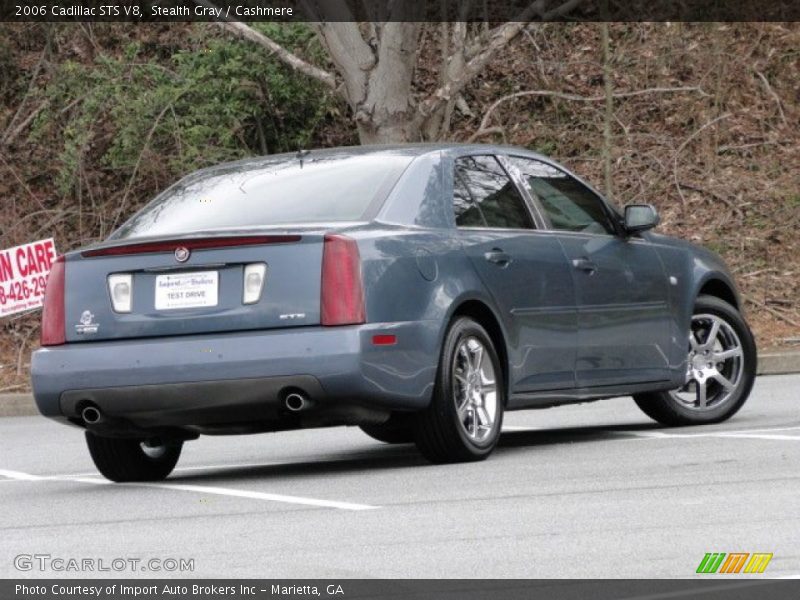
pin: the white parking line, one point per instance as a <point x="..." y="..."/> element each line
<point x="217" y="467"/>
<point x="752" y="434"/>
<point x="520" y="428"/>
<point x="200" y="489"/>
<point x="627" y="436"/>
<point x="792" y="428"/>
<point x="220" y="491"/>
<point x="19" y="476"/>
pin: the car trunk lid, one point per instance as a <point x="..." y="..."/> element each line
<point x="194" y="284"/>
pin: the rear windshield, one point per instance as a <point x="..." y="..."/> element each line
<point x="283" y="191"/>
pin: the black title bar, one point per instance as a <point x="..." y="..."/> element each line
<point x="710" y="588"/>
<point x="385" y="10"/>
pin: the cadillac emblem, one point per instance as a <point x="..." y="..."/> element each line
<point x="182" y="254"/>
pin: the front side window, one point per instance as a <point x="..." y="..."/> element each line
<point x="569" y="204"/>
<point x="484" y="196"/>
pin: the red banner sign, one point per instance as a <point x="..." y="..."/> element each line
<point x="23" y="275"/>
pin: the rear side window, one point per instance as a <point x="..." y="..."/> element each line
<point x="569" y="204"/>
<point x="279" y="191"/>
<point x="484" y="196"/>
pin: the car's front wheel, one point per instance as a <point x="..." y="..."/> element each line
<point x="721" y="369"/>
<point x="464" y="419"/>
<point x="120" y="459"/>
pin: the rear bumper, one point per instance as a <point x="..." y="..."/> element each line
<point x="237" y="377"/>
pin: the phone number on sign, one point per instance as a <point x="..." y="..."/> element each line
<point x="19" y="291"/>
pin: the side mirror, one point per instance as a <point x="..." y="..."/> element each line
<point x="640" y="217"/>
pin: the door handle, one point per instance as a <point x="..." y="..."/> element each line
<point x="498" y="257"/>
<point x="584" y="264"/>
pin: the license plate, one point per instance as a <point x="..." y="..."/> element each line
<point x="187" y="290"/>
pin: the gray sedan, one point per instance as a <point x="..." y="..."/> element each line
<point x="415" y="291"/>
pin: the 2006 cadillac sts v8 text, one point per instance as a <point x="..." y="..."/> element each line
<point x="415" y="291"/>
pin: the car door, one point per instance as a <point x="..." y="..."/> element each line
<point x="620" y="285"/>
<point x="525" y="272"/>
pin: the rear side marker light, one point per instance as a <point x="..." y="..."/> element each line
<point x="53" y="323"/>
<point x="342" y="297"/>
<point x="120" y="287"/>
<point x="384" y="340"/>
<point x="254" y="276"/>
<point x="191" y="244"/>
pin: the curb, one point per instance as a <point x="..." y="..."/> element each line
<point x="17" y="405"/>
<point x="769" y="363"/>
<point x="778" y="363"/>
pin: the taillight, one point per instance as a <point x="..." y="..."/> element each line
<point x="53" y="325"/>
<point x="120" y="287"/>
<point x="254" y="276"/>
<point x="342" y="301"/>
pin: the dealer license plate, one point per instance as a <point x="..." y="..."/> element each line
<point x="187" y="290"/>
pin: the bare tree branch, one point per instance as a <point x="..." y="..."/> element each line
<point x="498" y="39"/>
<point x="10" y="136"/>
<point x="713" y="195"/>
<point x="488" y="131"/>
<point x="770" y="310"/>
<point x="148" y="137"/>
<point x="353" y="57"/>
<point x="292" y="60"/>
<point x="608" y="88"/>
<point x="453" y="62"/>
<point x="32" y="82"/>
<point x="683" y="145"/>
<point x="772" y="93"/>
<point x="576" y="98"/>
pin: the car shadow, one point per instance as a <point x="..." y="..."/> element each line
<point x="383" y="457"/>
<point x="570" y="435"/>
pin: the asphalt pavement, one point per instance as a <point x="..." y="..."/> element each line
<point x="596" y="490"/>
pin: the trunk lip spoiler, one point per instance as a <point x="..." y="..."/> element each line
<point x="190" y="243"/>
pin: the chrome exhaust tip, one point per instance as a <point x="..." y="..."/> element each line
<point x="295" y="401"/>
<point x="91" y="415"/>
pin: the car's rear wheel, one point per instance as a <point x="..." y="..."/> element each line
<point x="721" y="369"/>
<point x="464" y="419"/>
<point x="133" y="460"/>
<point x="399" y="429"/>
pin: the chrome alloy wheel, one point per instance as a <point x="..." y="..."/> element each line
<point x="474" y="389"/>
<point x="715" y="364"/>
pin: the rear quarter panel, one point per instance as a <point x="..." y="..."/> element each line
<point x="418" y="276"/>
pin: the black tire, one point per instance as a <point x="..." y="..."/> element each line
<point x="441" y="437"/>
<point x="399" y="429"/>
<point x="667" y="410"/>
<point x="123" y="460"/>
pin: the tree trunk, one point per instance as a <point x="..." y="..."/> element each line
<point x="376" y="60"/>
<point x="608" y="88"/>
<point x="378" y="78"/>
<point x="400" y="131"/>
<point x="386" y="113"/>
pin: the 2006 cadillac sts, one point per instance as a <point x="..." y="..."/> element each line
<point x="415" y="291"/>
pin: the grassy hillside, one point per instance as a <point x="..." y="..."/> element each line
<point x="94" y="119"/>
